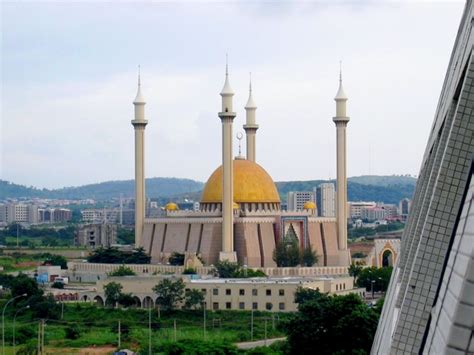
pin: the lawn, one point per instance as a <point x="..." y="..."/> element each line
<point x="89" y="326"/>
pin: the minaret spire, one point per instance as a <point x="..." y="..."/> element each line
<point x="341" y="119"/>
<point x="227" y="118"/>
<point x="250" y="125"/>
<point x="139" y="124"/>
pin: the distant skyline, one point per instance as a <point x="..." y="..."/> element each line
<point x="69" y="76"/>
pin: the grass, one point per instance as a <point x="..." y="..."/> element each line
<point x="98" y="327"/>
<point x="22" y="263"/>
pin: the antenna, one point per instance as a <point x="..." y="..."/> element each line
<point x="139" y="81"/>
<point x="340" y="71"/>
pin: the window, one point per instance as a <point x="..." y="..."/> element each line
<point x="254" y="292"/>
<point x="255" y="305"/>
<point x="337" y="287"/>
<point x="269" y="292"/>
<point x="204" y="291"/>
<point x="242" y="292"/>
<point x="228" y="305"/>
<point x="242" y="305"/>
<point x="281" y="292"/>
<point x="268" y="306"/>
<point x="215" y="291"/>
<point x="281" y="306"/>
<point x="215" y="305"/>
<point x="227" y="291"/>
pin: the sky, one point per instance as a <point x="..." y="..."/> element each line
<point x="69" y="77"/>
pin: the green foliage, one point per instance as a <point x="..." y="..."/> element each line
<point x="287" y="253"/>
<point x="57" y="284"/>
<point x="72" y="333"/>
<point x="125" y="235"/>
<point x="56" y="260"/>
<point x="330" y="324"/>
<point x="308" y="257"/>
<point x="229" y="270"/>
<point x="355" y="270"/>
<point x="354" y="233"/>
<point x="23" y="284"/>
<point x="359" y="255"/>
<point x="176" y="259"/>
<point x="169" y="292"/>
<point x="193" y="299"/>
<point x="112" y="291"/>
<point x="116" y="256"/>
<point x="189" y="271"/>
<point x="122" y="271"/>
<point x="126" y="300"/>
<point x="389" y="227"/>
<point x="198" y="347"/>
<point x="44" y="307"/>
<point x="380" y="276"/>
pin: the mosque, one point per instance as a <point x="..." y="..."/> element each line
<point x="240" y="218"/>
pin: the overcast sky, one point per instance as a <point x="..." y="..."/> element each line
<point x="69" y="76"/>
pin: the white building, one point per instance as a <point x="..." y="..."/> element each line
<point x="18" y="212"/>
<point x="297" y="199"/>
<point x="355" y="208"/>
<point x="326" y="200"/>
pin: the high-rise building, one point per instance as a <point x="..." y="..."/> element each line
<point x="429" y="306"/>
<point x="297" y="199"/>
<point x="404" y="208"/>
<point x="326" y="200"/>
<point x="96" y="235"/>
<point x="19" y="212"/>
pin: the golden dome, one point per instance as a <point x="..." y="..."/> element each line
<point x="309" y="205"/>
<point x="251" y="184"/>
<point x="171" y="206"/>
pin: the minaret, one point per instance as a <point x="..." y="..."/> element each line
<point x="227" y="117"/>
<point x="250" y="126"/>
<point x="341" y="121"/>
<point x="139" y="124"/>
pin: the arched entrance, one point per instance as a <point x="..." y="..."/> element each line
<point x="138" y="303"/>
<point x="85" y="298"/>
<point x="387" y="258"/>
<point x="99" y="301"/>
<point x="148" y="302"/>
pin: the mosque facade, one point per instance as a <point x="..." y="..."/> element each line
<point x="240" y="218"/>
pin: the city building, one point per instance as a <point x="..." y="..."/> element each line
<point x="373" y="213"/>
<point x="429" y="306"/>
<point x="19" y="213"/>
<point x="240" y="217"/>
<point x="101" y="215"/>
<point x="297" y="199"/>
<point x="54" y="215"/>
<point x="262" y="294"/>
<point x="355" y="208"/>
<point x="326" y="200"/>
<point x="404" y="208"/>
<point x="96" y="235"/>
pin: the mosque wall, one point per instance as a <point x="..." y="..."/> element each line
<point x="314" y="234"/>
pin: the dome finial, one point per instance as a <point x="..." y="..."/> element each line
<point x="240" y="136"/>
<point x="250" y="102"/>
<point x="250" y="82"/>
<point x="340" y="71"/>
<point x="139" y="99"/>
<point x="341" y="95"/>
<point x="227" y="90"/>
<point x="226" y="65"/>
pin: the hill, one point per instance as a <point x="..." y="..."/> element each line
<point x="389" y="189"/>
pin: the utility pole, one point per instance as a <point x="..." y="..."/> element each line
<point x="119" y="334"/>
<point x="204" y="304"/>
<point x="62" y="310"/>
<point x="265" y="331"/>
<point x="149" y="332"/>
<point x="175" y="330"/>
<point x="42" y="336"/>
<point x="39" y="337"/>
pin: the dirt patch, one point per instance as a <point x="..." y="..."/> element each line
<point x="101" y="350"/>
<point x="28" y="264"/>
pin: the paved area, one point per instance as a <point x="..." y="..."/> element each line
<point x="254" y="344"/>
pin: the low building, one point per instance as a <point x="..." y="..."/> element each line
<point x="96" y="235"/>
<point x="263" y="294"/>
<point x="356" y="208"/>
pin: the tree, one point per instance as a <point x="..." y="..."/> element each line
<point x="113" y="291"/>
<point x="226" y="269"/>
<point x="379" y="276"/>
<point x="169" y="293"/>
<point x="332" y="324"/>
<point x="308" y="256"/>
<point x="122" y="271"/>
<point x="354" y="270"/>
<point x="126" y="300"/>
<point x="193" y="298"/>
<point x="56" y="260"/>
<point x="176" y="259"/>
<point x="57" y="284"/>
<point x="115" y="256"/>
<point x="287" y="253"/>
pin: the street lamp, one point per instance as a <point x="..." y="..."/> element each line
<point x="14" y="319"/>
<point x="3" y="320"/>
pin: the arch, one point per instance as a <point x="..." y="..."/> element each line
<point x="387" y="258"/>
<point x="138" y="302"/>
<point x="99" y="301"/>
<point x="84" y="298"/>
<point x="148" y="302"/>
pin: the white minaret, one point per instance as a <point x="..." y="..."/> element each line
<point x="227" y="117"/>
<point x="139" y="124"/>
<point x="250" y="126"/>
<point x="341" y="121"/>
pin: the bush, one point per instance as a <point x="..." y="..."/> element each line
<point x="122" y="271"/>
<point x="72" y="333"/>
<point x="176" y="259"/>
<point x="198" y="347"/>
<point x="189" y="271"/>
<point x="57" y="284"/>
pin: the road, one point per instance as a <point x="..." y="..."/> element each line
<point x="254" y="344"/>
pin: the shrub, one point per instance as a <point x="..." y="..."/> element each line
<point x="122" y="271"/>
<point x="189" y="271"/>
<point x="72" y="333"/>
<point x="176" y="259"/>
<point x="57" y="284"/>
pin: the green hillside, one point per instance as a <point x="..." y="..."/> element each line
<point x="389" y="189"/>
